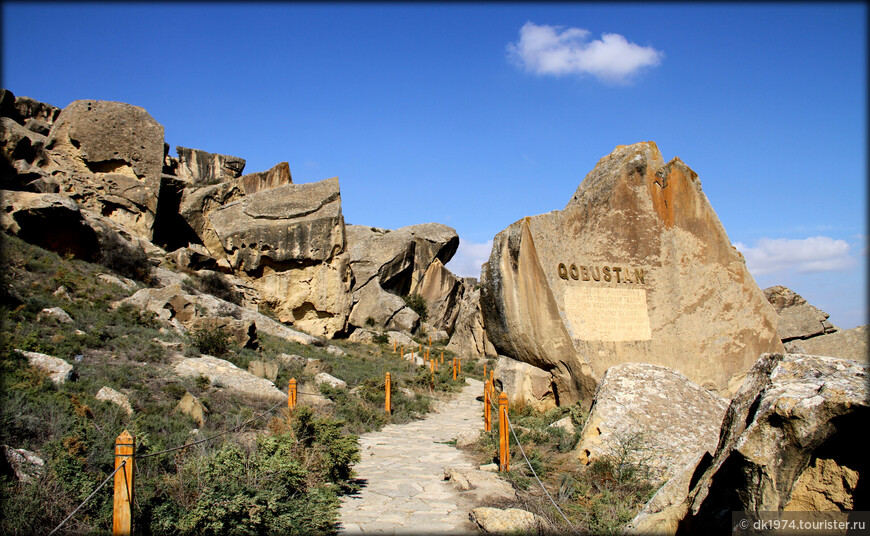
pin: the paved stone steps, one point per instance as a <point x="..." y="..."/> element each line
<point x="403" y="465"/>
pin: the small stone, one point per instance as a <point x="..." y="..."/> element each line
<point x="62" y="293"/>
<point x="107" y="394"/>
<point x="506" y="520"/>
<point x="332" y="381"/>
<point x="54" y="313"/>
<point x="491" y="467"/>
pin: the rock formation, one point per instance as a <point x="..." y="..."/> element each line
<point x="524" y="384"/>
<point x="636" y="267"/>
<point x="469" y="335"/>
<point x="651" y="416"/>
<point x="805" y="329"/>
<point x="791" y="440"/>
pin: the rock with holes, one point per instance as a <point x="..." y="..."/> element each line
<point x="791" y="440"/>
<point x="525" y="384"/>
<point x="108" y="157"/>
<point x="636" y="267"/>
<point x="650" y="416"/>
<point x="222" y="373"/>
<point x="57" y="369"/>
<point x="315" y="366"/>
<point x="289" y="241"/>
<point x="507" y="520"/>
<point x="107" y="394"/>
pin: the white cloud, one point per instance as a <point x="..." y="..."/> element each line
<point x="814" y="254"/>
<point x="551" y="50"/>
<point x="469" y="257"/>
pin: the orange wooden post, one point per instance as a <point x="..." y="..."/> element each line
<point x="387" y="405"/>
<point x="291" y="394"/>
<point x="432" y="367"/>
<point x="403" y="352"/>
<point x="491" y="379"/>
<point x="504" y="459"/>
<point x="122" y="512"/>
<point x="430" y="341"/>
<point x="454" y="369"/>
<point x="487" y="419"/>
<point x="394" y="346"/>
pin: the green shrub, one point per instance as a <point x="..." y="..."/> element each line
<point x="381" y="338"/>
<point x="211" y="340"/>
<point x="417" y="303"/>
<point x="125" y="260"/>
<point x="218" y="286"/>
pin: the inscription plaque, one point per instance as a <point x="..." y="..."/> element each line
<point x="608" y="314"/>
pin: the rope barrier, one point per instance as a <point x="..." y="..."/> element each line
<point x="520" y="445"/>
<point x="91" y="496"/>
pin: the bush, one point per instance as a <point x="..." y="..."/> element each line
<point x="217" y="285"/>
<point x="125" y="260"/>
<point x="212" y="341"/>
<point x="417" y="303"/>
<point x="381" y="338"/>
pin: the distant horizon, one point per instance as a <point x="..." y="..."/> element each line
<point x="476" y="115"/>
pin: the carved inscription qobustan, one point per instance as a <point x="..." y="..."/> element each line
<point x="607" y="314"/>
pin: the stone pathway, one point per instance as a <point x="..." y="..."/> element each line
<point x="403" y="465"/>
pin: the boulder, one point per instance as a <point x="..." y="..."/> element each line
<point x="197" y="203"/>
<point x="443" y="294"/>
<point x="507" y="520"/>
<point x="566" y="424"/>
<point x="199" y="168"/>
<point x="289" y="241"/>
<point x="192" y="257"/>
<point x="797" y="318"/>
<point x="62" y="293"/>
<point x="108" y="156"/>
<point x="264" y="369"/>
<point x="480" y="486"/>
<point x="279" y="175"/>
<point x="22" y="153"/>
<point x="627" y="271"/>
<point x="792" y="439"/>
<point x="332" y="381"/>
<point x="650" y="416"/>
<point x="400" y="339"/>
<point x="664" y="511"/>
<point x="241" y="331"/>
<point x="225" y="374"/>
<point x="32" y="109"/>
<point x="316" y="366"/>
<point x="58" y="370"/>
<point x="362" y="335"/>
<point x="54" y="314"/>
<point x="378" y="308"/>
<point x="23" y="464"/>
<point x="191" y="406"/>
<point x="107" y="394"/>
<point x="845" y="344"/>
<point x="467" y="438"/>
<point x="291" y="360"/>
<point x="51" y="221"/>
<point x="123" y="282"/>
<point x="525" y="385"/>
<point x="469" y="335"/>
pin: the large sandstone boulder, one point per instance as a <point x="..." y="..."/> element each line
<point x="279" y="175"/>
<point x="290" y="242"/>
<point x="199" y="168"/>
<point x="108" y="156"/>
<point x="636" y="267"/>
<point x="375" y="307"/>
<point x="443" y="294"/>
<point x="791" y="440"/>
<point x="223" y="373"/>
<point x="525" y="384"/>
<point x="469" y="335"/>
<point x="652" y="416"/>
<point x="57" y="369"/>
<point x="845" y="344"/>
<point x="797" y="318"/>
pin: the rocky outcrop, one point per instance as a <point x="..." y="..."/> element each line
<point x="805" y="329"/>
<point x="791" y="439"/>
<point x="650" y="416"/>
<point x="627" y="271"/>
<point x="279" y="175"/>
<point x="22" y="154"/>
<point x="225" y="374"/>
<point x="58" y="370"/>
<point x="107" y="394"/>
<point x="54" y="314"/>
<point x="199" y="168"/>
<point x="469" y="335"/>
<point x="525" y="385"/>
<point x="36" y="116"/>
<point x="443" y="294"/>
<point x="797" y="318"/>
<point x="264" y="369"/>
<point x="21" y="464"/>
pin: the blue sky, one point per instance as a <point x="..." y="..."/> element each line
<point x="475" y="115"/>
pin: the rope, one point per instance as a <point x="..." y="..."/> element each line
<point x="89" y="497"/>
<point x="517" y="439"/>
<point x="225" y="432"/>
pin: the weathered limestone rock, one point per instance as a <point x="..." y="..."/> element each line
<point x="386" y="311"/>
<point x="192" y="257"/>
<point x="400" y="339"/>
<point x="431" y="241"/>
<point x="279" y="175"/>
<point x="197" y="203"/>
<point x="241" y="331"/>
<point x="51" y="221"/>
<point x="524" y="384"/>
<point x="123" y="282"/>
<point x="653" y="415"/>
<point x="290" y="241"/>
<point x="469" y="335"/>
<point x="792" y="439"/>
<point x="316" y="366"/>
<point x="291" y="360"/>
<point x="330" y="380"/>
<point x="23" y="464"/>
<point x="109" y="157"/>
<point x="636" y="267"/>
<point x="58" y="370"/>
<point x="507" y="520"/>
<point x="224" y="373"/>
<point x="845" y="344"/>
<point x="107" y="394"/>
<point x="362" y="335"/>
<point x="264" y="369"/>
<point x="22" y="153"/>
<point x="482" y="486"/>
<point x="565" y="423"/>
<point x="443" y="294"/>
<point x="54" y="314"/>
<point x="190" y="405"/>
<point x="797" y="318"/>
<point x="62" y="293"/>
<point x="201" y="168"/>
<point x="32" y="111"/>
